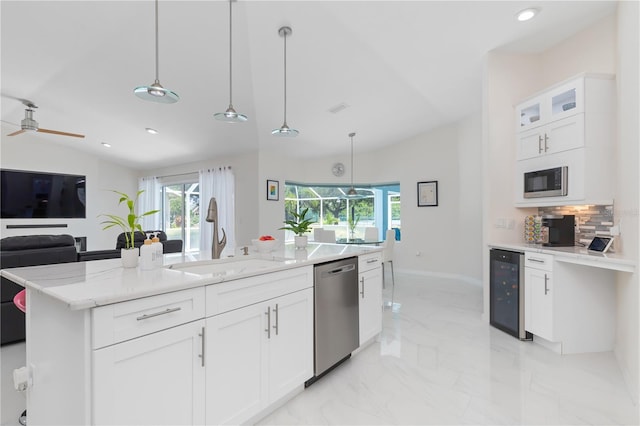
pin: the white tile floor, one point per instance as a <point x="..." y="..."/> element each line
<point x="437" y="362"/>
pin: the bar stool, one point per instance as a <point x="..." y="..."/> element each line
<point x="20" y="300"/>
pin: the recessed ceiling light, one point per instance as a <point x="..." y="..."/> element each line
<point x="152" y="131"/>
<point x="525" y="15"/>
<point x="106" y="145"/>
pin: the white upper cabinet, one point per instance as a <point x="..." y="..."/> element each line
<point x="560" y="102"/>
<point x="571" y="124"/>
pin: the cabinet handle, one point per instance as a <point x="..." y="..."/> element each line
<point x="203" y="346"/>
<point x="546" y="288"/>
<point x="268" y="329"/>
<point x="276" y="326"/>
<point x="546" y="139"/>
<point x="372" y="260"/>
<point x="539" y="144"/>
<point x="155" y="314"/>
<point x="531" y="259"/>
<point x="362" y="291"/>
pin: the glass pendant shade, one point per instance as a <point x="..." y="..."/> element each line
<point x="155" y="92"/>
<point x="230" y="115"/>
<point x="285" y="130"/>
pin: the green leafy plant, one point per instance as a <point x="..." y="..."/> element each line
<point x="129" y="225"/>
<point x="299" y="225"/>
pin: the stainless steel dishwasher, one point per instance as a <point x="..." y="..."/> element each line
<point x="335" y="314"/>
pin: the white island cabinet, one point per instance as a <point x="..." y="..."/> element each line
<point x="114" y="346"/>
<point x="260" y="348"/>
<point x="148" y="351"/>
<point x="370" y="296"/>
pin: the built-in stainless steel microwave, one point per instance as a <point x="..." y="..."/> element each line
<point x="546" y="183"/>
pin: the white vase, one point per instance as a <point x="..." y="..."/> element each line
<point x="129" y="257"/>
<point x="300" y="241"/>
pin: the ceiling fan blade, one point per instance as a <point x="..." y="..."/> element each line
<point x="56" y="132"/>
<point x="17" y="132"/>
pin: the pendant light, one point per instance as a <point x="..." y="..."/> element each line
<point x="155" y="92"/>
<point x="352" y="191"/>
<point x="285" y="130"/>
<point x="230" y="115"/>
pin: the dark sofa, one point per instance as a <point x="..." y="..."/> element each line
<point x="29" y="250"/>
<point x="32" y="250"/>
<point x="168" y="246"/>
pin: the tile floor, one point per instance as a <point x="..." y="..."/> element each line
<point x="438" y="362"/>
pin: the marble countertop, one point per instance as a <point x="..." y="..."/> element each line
<point x="82" y="285"/>
<point x="577" y="255"/>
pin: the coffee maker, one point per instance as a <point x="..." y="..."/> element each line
<point x="558" y="230"/>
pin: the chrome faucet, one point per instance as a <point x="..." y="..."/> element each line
<point x="212" y="216"/>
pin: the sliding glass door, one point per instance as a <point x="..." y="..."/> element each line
<point x="181" y="214"/>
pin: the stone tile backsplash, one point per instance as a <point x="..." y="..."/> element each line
<point x="590" y="220"/>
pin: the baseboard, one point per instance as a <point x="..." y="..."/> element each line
<point x="463" y="278"/>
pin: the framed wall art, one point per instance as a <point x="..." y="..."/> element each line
<point x="428" y="193"/>
<point x="273" y="191"/>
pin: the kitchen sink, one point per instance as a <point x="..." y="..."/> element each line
<point x="227" y="267"/>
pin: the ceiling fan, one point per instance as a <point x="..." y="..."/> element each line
<point x="28" y="124"/>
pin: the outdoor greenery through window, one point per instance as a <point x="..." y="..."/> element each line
<point x="375" y="206"/>
<point x="181" y="214"/>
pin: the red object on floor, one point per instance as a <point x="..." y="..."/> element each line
<point x="20" y="300"/>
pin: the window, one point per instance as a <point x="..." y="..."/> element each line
<point x="330" y="208"/>
<point x="181" y="214"/>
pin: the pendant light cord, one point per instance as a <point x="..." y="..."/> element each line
<point x="285" y="77"/>
<point x="351" y="159"/>
<point x="230" y="71"/>
<point x="157" y="49"/>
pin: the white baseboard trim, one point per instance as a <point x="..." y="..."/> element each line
<point x="446" y="275"/>
<point x="632" y="385"/>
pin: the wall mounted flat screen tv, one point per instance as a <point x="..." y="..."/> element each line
<point x="38" y="195"/>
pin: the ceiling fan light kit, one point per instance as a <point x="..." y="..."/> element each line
<point x="230" y="115"/>
<point x="285" y="130"/>
<point x="29" y="124"/>
<point x="155" y="92"/>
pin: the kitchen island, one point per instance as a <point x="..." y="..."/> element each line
<point x="194" y="342"/>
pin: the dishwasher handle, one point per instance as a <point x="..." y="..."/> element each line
<point x="341" y="270"/>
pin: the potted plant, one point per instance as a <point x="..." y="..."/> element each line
<point x="129" y="226"/>
<point x="299" y="225"/>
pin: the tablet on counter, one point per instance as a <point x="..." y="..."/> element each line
<point x="600" y="244"/>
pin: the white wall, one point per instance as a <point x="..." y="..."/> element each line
<point x="628" y="194"/>
<point x="448" y="236"/>
<point x="28" y="152"/>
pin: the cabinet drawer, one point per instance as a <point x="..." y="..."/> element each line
<point x="369" y="261"/>
<point x="236" y="294"/>
<point x="538" y="261"/>
<point x="123" y="321"/>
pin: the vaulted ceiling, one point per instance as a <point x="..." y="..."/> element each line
<point x="394" y="69"/>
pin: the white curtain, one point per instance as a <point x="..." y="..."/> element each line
<point x="217" y="182"/>
<point x="149" y="200"/>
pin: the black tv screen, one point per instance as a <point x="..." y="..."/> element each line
<point x="37" y="195"/>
